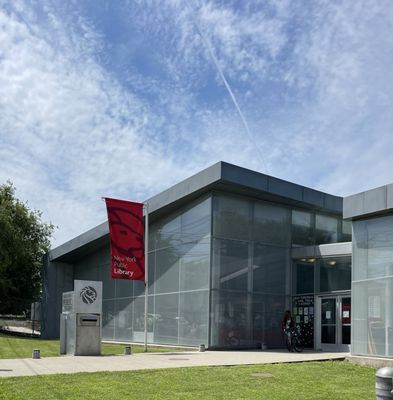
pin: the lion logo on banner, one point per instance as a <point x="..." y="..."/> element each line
<point x="88" y="295"/>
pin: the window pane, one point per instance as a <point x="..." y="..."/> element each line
<point x="270" y="269"/>
<point x="302" y="228"/>
<point x="195" y="265"/>
<point x="271" y="224"/>
<point x="167" y="271"/>
<point x="167" y="319"/>
<point x="193" y="318"/>
<point x="230" y="264"/>
<point x="335" y="274"/>
<point x="346" y="231"/>
<point x="303" y="277"/>
<point x="267" y="312"/>
<point x="123" y="331"/>
<point x="165" y="233"/>
<point x="108" y="319"/>
<point x="195" y="222"/>
<point x="138" y="319"/>
<point x="230" y="325"/>
<point x="232" y="217"/>
<point x="124" y="288"/>
<point x="372" y="287"/>
<point x="326" y="229"/>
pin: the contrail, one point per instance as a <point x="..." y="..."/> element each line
<point x="231" y="94"/>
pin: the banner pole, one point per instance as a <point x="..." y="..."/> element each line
<point x="146" y="267"/>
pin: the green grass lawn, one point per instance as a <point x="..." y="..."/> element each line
<point x="312" y="380"/>
<point x="19" y="347"/>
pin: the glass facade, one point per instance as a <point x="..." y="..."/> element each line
<point x="322" y="277"/>
<point x="372" y="287"/>
<point x="250" y="272"/>
<point x="179" y="273"/>
<point x="309" y="228"/>
<point x="334" y="274"/>
<point x="220" y="274"/>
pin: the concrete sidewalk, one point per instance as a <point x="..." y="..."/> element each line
<point x="139" y="361"/>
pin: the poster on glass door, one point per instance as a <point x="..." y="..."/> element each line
<point x="303" y="314"/>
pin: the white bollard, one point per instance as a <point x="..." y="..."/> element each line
<point x="384" y="383"/>
<point x="36" y="354"/>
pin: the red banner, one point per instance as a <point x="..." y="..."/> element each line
<point x="126" y="232"/>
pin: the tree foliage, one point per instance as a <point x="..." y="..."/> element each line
<point x="24" y="239"/>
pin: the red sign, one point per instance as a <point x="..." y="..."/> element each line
<point x="126" y="232"/>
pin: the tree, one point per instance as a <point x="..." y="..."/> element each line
<point x="24" y="239"/>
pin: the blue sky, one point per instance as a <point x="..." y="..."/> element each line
<point x="123" y="98"/>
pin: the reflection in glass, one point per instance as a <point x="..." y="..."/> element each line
<point x="167" y="271"/>
<point x="269" y="269"/>
<point x="303" y="277"/>
<point x="230" y="264"/>
<point x="346" y="235"/>
<point x="326" y="229"/>
<point x="346" y="334"/>
<point x="230" y="321"/>
<point x="328" y="321"/>
<point x="167" y="318"/>
<point x="302" y="228"/>
<point x="108" y="319"/>
<point x="123" y="320"/>
<point x="195" y="265"/>
<point x="232" y="217"/>
<point x="329" y="311"/>
<point x="271" y="224"/>
<point x="335" y="274"/>
<point x="193" y="318"/>
<point x="328" y="334"/>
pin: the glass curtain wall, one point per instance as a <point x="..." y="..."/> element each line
<point x="250" y="270"/>
<point x="372" y="287"/>
<point x="179" y="272"/>
<point x="311" y="277"/>
<point x="309" y="228"/>
<point x="179" y="276"/>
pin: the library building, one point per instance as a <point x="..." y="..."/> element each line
<point x="230" y="250"/>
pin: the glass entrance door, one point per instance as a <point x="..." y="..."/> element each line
<point x="328" y="321"/>
<point x="334" y="323"/>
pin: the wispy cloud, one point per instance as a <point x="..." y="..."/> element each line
<point x="122" y="98"/>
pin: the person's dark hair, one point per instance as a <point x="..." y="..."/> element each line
<point x="286" y="317"/>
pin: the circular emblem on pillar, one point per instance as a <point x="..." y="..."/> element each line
<point x="88" y="295"/>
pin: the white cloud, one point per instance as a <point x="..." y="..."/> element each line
<point x="71" y="134"/>
<point x="314" y="82"/>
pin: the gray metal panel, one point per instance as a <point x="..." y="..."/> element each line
<point x="353" y="205"/>
<point x="333" y="203"/>
<point x="259" y="185"/>
<point x="389" y="196"/>
<point x="94" y="238"/>
<point x="92" y="302"/>
<point x="375" y="200"/>
<point x="285" y="189"/>
<point x="58" y="278"/>
<point x="185" y="188"/>
<point x="323" y="250"/>
<point x="244" y="177"/>
<point x="303" y="252"/>
<point x="314" y="197"/>
<point x="335" y="249"/>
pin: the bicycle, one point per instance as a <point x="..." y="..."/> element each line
<point x="293" y="340"/>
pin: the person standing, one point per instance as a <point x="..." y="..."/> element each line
<point x="287" y="325"/>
